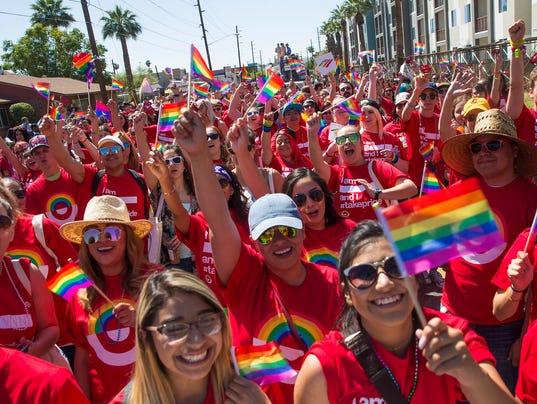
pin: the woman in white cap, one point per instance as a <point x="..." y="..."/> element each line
<point x="102" y="329"/>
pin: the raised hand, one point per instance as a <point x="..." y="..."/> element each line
<point x="47" y="126"/>
<point x="313" y="124"/>
<point x="520" y="271"/>
<point x="157" y="166"/>
<point x="517" y="31"/>
<point x="189" y="131"/>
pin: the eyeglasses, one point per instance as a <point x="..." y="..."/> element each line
<point x="432" y="96"/>
<point x="111" y="233"/>
<point x="174" y="160"/>
<point x="491" y="146"/>
<point x="250" y="113"/>
<point x="315" y="195"/>
<point x="20" y="193"/>
<point x="282" y="141"/>
<point x="208" y="325"/>
<point x="5" y="222"/>
<point x="268" y="235"/>
<point x="213" y="136"/>
<point x="224" y="182"/>
<point x="103" y="151"/>
<point x="363" y="276"/>
<point x="353" y="138"/>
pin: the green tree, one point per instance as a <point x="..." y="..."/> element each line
<point x="340" y="14"/>
<point x="51" y="13"/>
<point x="328" y="29"/>
<point x="360" y="8"/>
<point x="46" y="51"/>
<point x="122" y="25"/>
<point x="20" y="109"/>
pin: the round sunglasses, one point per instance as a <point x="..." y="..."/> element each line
<point x="363" y="276"/>
<point x="111" y="233"/>
<point x="491" y="146"/>
<point x="314" y="194"/>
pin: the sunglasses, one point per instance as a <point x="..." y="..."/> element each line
<point x="491" y="146"/>
<point x="432" y="96"/>
<point x="250" y="113"/>
<point x="111" y="233"/>
<point x="213" y="136"/>
<point x="103" y="151"/>
<point x="343" y="89"/>
<point x="5" y="222"/>
<point x="353" y="138"/>
<point x="223" y="182"/>
<point x="268" y="235"/>
<point x="363" y="276"/>
<point x="315" y="195"/>
<point x="308" y="106"/>
<point x="174" y="160"/>
<point x="208" y="325"/>
<point x="20" y="193"/>
<point x="217" y="108"/>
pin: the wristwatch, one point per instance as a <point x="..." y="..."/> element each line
<point x="377" y="193"/>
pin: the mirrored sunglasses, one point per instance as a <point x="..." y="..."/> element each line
<point x="353" y="138"/>
<point x="110" y="233"/>
<point x="213" y="136"/>
<point x="268" y="235"/>
<point x="103" y="151"/>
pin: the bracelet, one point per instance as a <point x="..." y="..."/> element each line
<point x="172" y="191"/>
<point x="518" y="291"/>
<point x="516" y="44"/>
<point x="378" y="191"/>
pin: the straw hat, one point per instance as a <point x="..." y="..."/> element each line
<point x="457" y="156"/>
<point x="104" y="209"/>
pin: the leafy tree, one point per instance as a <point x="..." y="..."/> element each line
<point x="340" y="13"/>
<point x="46" y="51"/>
<point x="360" y="8"/>
<point x="20" y="109"/>
<point x="328" y="29"/>
<point x="51" y="13"/>
<point x="122" y="25"/>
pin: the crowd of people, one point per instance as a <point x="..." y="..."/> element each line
<point x="255" y="227"/>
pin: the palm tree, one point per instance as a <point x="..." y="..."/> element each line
<point x="399" y="43"/>
<point x="122" y="25"/>
<point x="340" y="13"/>
<point x="361" y="8"/>
<point x="51" y="13"/>
<point x="328" y="29"/>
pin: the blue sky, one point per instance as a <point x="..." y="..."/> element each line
<point x="170" y="26"/>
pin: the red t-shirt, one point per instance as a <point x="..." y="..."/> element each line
<point x="526" y="125"/>
<point x="501" y="280"/>
<point x="468" y="290"/>
<point x="347" y="382"/>
<point x="351" y="200"/>
<point x="257" y="318"/>
<point x="124" y="187"/>
<point x="17" y="311"/>
<point x="373" y="145"/>
<point x="301" y="138"/>
<point x="526" y="389"/>
<point x="322" y="246"/>
<point x="25" y="244"/>
<point x="27" y="379"/>
<point x="61" y="200"/>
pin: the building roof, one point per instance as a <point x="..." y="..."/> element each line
<point x="60" y="85"/>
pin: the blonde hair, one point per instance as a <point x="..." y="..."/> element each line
<point x="150" y="383"/>
<point x="380" y="124"/>
<point x="135" y="261"/>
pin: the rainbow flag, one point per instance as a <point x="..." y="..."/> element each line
<point x="69" y="280"/>
<point x="262" y="364"/>
<point x="297" y="98"/>
<point x="201" y="90"/>
<point x="226" y="86"/>
<point x="199" y="68"/>
<point x="168" y="114"/>
<point x="419" y="48"/>
<point x="168" y="72"/>
<point x="79" y="115"/>
<point x="369" y="53"/>
<point x="83" y="62"/>
<point x="271" y="87"/>
<point x="295" y="64"/>
<point x="102" y="110"/>
<point x="117" y="85"/>
<point x="429" y="182"/>
<point x="433" y="229"/>
<point x="352" y="107"/>
<point x="443" y="62"/>
<point x="245" y="76"/>
<point x="42" y="88"/>
<point x="426" y="150"/>
<point x="55" y="114"/>
<point x="261" y="80"/>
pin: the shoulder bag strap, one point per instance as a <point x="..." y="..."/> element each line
<point x="361" y="347"/>
<point x="21" y="275"/>
<point x="37" y="223"/>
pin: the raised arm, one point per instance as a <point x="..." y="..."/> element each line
<point x="234" y="113"/>
<point x="114" y="114"/>
<point x="12" y="158"/>
<point x="421" y="82"/>
<point x="52" y="131"/>
<point x="333" y="85"/>
<point x="515" y="99"/>
<point x="496" y="81"/>
<point x="78" y="135"/>
<point x="266" y="137"/>
<point x="316" y="154"/>
<point x="225" y="240"/>
<point x="138" y="120"/>
<point x="460" y="86"/>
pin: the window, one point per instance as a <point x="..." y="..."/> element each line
<point x="431" y="26"/>
<point x="502" y="6"/>
<point x="411" y="6"/>
<point x="453" y="18"/>
<point x="413" y="33"/>
<point x="467" y="13"/>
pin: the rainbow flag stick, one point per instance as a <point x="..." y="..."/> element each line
<point x="532" y="231"/>
<point x="334" y="106"/>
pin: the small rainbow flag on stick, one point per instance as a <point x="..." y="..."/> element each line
<point x="42" y="88"/>
<point x="429" y="182"/>
<point x="226" y="86"/>
<point x="69" y="280"/>
<point x="426" y="150"/>
<point x="419" y="48"/>
<point x="55" y="114"/>
<point x="271" y="87"/>
<point x="201" y="90"/>
<point x="433" y="229"/>
<point x="168" y="114"/>
<point x="117" y="85"/>
<point x="199" y="68"/>
<point x="102" y="110"/>
<point x="352" y="107"/>
<point x="82" y="62"/>
<point x="262" y="364"/>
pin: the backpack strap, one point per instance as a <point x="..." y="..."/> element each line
<point x="37" y="223"/>
<point x="95" y="182"/>
<point x="23" y="278"/>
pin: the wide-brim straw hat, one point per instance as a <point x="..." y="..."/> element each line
<point x="104" y="209"/>
<point x="457" y="155"/>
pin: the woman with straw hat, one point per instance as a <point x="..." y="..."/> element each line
<point x="101" y="319"/>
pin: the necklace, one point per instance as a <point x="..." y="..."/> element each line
<point x="416" y="370"/>
<point x="109" y="340"/>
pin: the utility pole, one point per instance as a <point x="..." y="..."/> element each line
<point x="253" y="58"/>
<point x="114" y="67"/>
<point x="238" y="47"/>
<point x="204" y="36"/>
<point x="96" y="61"/>
<point x="318" y="40"/>
<point x="261" y="61"/>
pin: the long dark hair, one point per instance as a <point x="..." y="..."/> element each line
<point x="237" y="200"/>
<point x="330" y="215"/>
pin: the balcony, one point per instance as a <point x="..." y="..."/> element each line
<point x="481" y="24"/>
<point x="440" y="35"/>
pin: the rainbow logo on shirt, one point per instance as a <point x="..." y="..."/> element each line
<point x="32" y="255"/>
<point x="323" y="256"/>
<point x="103" y="319"/>
<point x="277" y="329"/>
<point x="61" y="208"/>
